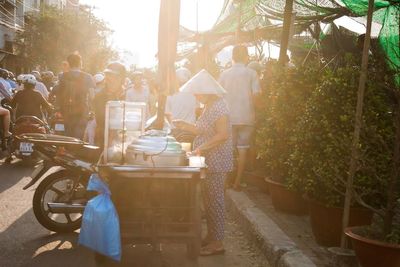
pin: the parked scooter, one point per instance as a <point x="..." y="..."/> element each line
<point x="61" y="196"/>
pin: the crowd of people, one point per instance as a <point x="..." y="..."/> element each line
<point x="221" y="115"/>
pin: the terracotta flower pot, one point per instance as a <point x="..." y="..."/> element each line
<point x="286" y="200"/>
<point x="372" y="253"/>
<point x="326" y="222"/>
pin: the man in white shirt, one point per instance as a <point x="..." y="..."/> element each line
<point x="139" y="92"/>
<point x="242" y="86"/>
<point x="181" y="106"/>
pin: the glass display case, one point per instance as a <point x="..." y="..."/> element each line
<point x="124" y="122"/>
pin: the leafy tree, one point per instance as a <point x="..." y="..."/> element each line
<point x="51" y="35"/>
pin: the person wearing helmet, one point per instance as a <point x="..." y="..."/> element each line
<point x="48" y="79"/>
<point x="115" y="75"/>
<point x="181" y="106"/>
<point x="73" y="96"/>
<point x="29" y="102"/>
<point x="41" y="87"/>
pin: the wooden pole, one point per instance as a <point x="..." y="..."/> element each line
<point x="286" y="31"/>
<point x="168" y="31"/>
<point x="357" y="126"/>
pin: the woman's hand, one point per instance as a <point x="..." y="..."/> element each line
<point x="196" y="152"/>
<point x="180" y="124"/>
<point x="185" y="126"/>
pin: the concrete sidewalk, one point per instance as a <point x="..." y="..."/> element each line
<point x="280" y="250"/>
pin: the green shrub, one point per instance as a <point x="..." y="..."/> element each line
<point x="321" y="157"/>
<point x="282" y="106"/>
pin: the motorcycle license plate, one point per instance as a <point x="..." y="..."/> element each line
<point x="37" y="170"/>
<point x="59" y="127"/>
<point x="25" y="147"/>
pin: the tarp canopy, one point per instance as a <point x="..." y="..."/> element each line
<point x="387" y="12"/>
<point x="251" y="20"/>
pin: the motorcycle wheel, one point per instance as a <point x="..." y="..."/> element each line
<point x="55" y="188"/>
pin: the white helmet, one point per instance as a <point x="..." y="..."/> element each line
<point x="29" y="79"/>
<point x="183" y="75"/>
<point x="98" y="78"/>
<point x="20" y="77"/>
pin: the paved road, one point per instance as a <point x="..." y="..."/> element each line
<point x="24" y="242"/>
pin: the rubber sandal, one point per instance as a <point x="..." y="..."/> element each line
<point x="207" y="251"/>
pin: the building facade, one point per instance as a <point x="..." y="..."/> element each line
<point x="12" y="20"/>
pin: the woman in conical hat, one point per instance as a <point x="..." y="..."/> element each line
<point x="214" y="142"/>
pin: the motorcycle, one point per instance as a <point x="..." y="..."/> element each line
<point x="66" y="165"/>
<point x="57" y="123"/>
<point x="20" y="149"/>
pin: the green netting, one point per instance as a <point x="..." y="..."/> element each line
<point x="360" y="7"/>
<point x="388" y="14"/>
<point x="247" y="16"/>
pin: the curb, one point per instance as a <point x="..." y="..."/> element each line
<point x="279" y="249"/>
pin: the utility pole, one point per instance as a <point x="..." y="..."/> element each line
<point x="287" y="22"/>
<point x="357" y="127"/>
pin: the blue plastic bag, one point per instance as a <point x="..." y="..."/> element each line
<point x="100" y="223"/>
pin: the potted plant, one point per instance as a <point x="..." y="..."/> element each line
<point x="383" y="237"/>
<point x="321" y="157"/>
<point x="283" y="104"/>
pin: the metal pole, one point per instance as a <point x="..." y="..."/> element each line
<point x="286" y="31"/>
<point x="357" y="126"/>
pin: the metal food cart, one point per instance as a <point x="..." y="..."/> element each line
<point x="155" y="204"/>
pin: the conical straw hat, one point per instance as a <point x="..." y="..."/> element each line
<point x="203" y="84"/>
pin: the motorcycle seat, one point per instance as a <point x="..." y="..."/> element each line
<point x="89" y="153"/>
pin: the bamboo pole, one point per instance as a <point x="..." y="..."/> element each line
<point x="286" y="30"/>
<point x="357" y="126"/>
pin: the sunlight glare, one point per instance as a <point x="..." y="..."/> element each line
<point x="135" y="24"/>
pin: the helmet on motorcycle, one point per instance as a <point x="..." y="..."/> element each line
<point x="11" y="75"/>
<point x="37" y="75"/>
<point x="29" y="79"/>
<point x="4" y="73"/>
<point x="20" y="78"/>
<point x="98" y="78"/>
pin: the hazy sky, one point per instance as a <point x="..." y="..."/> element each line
<point x="135" y="23"/>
